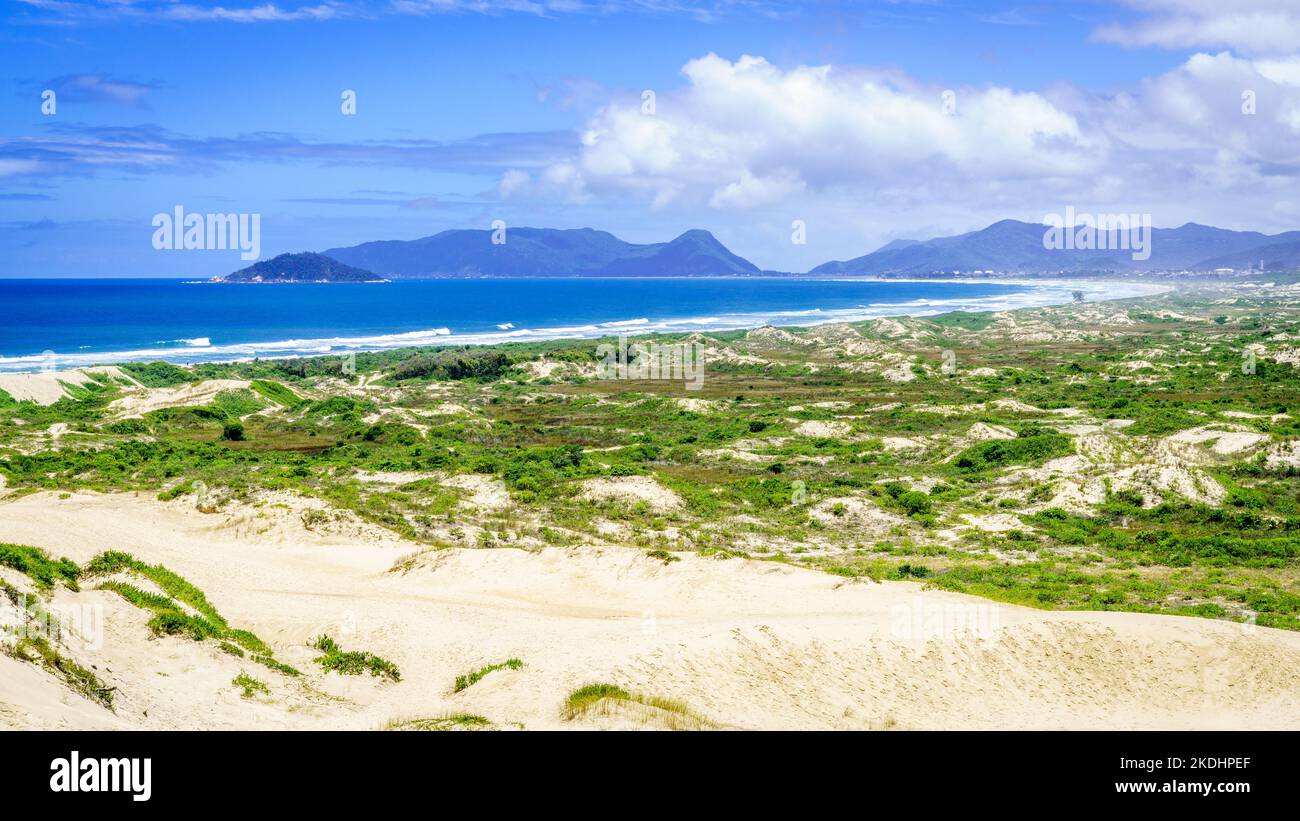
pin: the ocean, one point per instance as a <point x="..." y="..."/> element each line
<point x="67" y="323"/>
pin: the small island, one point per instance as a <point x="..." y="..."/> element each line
<point x="304" y="267"/>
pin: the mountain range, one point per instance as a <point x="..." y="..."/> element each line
<point x="1010" y="246"/>
<point x="1005" y="247"/>
<point x="541" y="252"/>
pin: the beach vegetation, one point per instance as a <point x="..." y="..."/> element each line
<point x="354" y="662"/>
<point x="467" y="680"/>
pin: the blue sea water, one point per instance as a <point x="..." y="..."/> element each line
<point x="69" y="323"/>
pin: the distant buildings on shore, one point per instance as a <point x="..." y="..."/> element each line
<point x="1217" y="273"/>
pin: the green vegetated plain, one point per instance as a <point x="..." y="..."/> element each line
<point x="1051" y="467"/>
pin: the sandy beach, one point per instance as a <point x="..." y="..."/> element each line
<point x="745" y="644"/>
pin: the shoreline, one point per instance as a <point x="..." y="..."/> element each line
<point x="1039" y="293"/>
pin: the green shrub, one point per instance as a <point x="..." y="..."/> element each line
<point x="276" y="392"/>
<point x="40" y="568"/>
<point x="353" y="663"/>
<point x="157" y="374"/>
<point x="1033" y="449"/>
<point x="914" y="502"/>
<point x="249" y="685"/>
<point x="482" y="364"/>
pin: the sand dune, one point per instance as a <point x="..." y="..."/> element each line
<point x="744" y="644"/>
<point x="137" y="403"/>
<point x="48" y="387"/>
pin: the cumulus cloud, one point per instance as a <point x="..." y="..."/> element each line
<point x="1215" y="139"/>
<point x="1219" y="132"/>
<point x="1255" y="27"/>
<point x="750" y="191"/>
<point x="1219" y="101"/>
<point x="747" y="133"/>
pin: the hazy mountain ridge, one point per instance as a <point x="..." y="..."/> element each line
<point x="546" y="252"/>
<point x="1014" y="246"/>
<point x="1279" y="256"/>
<point x="1007" y="246"/>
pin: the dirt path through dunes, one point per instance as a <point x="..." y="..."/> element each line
<point x="743" y="643"/>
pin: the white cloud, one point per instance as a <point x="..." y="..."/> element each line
<point x="11" y="168"/>
<point x="750" y="191"/>
<point x="1201" y="111"/>
<point x="99" y="88"/>
<point x="747" y="133"/>
<point x="1285" y="71"/>
<point x="513" y="182"/>
<point x="558" y="180"/>
<point x="73" y="11"/>
<point x="264" y="13"/>
<point x="865" y="156"/>
<point x="270" y="12"/>
<point x="1256" y="27"/>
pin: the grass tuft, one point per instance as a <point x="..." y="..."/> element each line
<point x="353" y="663"/>
<point x="607" y="699"/>
<point x="39" y="567"/>
<point x="171" y="616"/>
<point x="249" y="685"/>
<point x="454" y="721"/>
<point x="469" y="679"/>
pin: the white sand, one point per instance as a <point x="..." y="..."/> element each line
<point x="45" y="388"/>
<point x="745" y="644"/>
<point x="631" y="489"/>
<point x="818" y="429"/>
<point x="138" y="402"/>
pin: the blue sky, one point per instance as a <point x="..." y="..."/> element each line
<point x="766" y="113"/>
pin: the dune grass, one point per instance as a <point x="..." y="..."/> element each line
<point x="277" y="666"/>
<point x="353" y="663"/>
<point x="469" y="679"/>
<point x="171" y="616"/>
<point x="249" y="685"/>
<point x="451" y="722"/>
<point x="115" y="561"/>
<point x="31" y="645"/>
<point x="39" y="567"/>
<point x="611" y="699"/>
<point x="38" y="649"/>
<point x="276" y="392"/>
